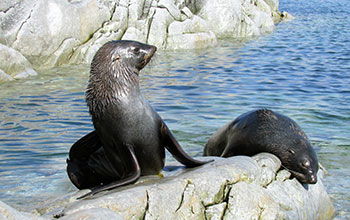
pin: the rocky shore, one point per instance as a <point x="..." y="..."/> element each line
<point x="47" y="33"/>
<point x="229" y="188"/>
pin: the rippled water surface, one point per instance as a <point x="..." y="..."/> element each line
<point x="301" y="70"/>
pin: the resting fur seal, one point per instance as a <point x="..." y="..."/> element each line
<point x="266" y="131"/>
<point x="129" y="136"/>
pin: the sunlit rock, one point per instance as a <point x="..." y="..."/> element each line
<point x="51" y="33"/>
<point x="7" y="212"/>
<point x="191" y="33"/>
<point x="230" y="188"/>
<point x="38" y="29"/>
<point x="14" y="65"/>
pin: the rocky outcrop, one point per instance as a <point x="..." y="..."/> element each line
<point x="233" y="188"/>
<point x="13" y="65"/>
<point x="54" y="32"/>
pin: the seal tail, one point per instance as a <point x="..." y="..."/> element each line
<point x="175" y="149"/>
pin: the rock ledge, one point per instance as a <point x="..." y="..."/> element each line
<point x="233" y="188"/>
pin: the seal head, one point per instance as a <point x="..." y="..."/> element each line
<point x="302" y="163"/>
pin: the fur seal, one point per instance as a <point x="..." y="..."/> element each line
<point x="129" y="136"/>
<point x="266" y="131"/>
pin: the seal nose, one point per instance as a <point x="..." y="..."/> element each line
<point x="313" y="179"/>
<point x="152" y="50"/>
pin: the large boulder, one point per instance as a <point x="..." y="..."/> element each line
<point x="41" y="29"/>
<point x="229" y="188"/>
<point x="13" y="65"/>
<point x="54" y="32"/>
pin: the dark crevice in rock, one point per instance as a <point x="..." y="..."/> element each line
<point x="149" y="25"/>
<point x="112" y="11"/>
<point x="145" y="9"/>
<point x="261" y="210"/>
<point x="163" y="7"/>
<point x="23" y="23"/>
<point x="182" y="196"/>
<point x="147" y="206"/>
<point x="226" y="198"/>
<point x="9" y="8"/>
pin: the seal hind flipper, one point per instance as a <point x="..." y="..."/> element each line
<point x="175" y="149"/>
<point x="87" y="165"/>
<point x="85" y="146"/>
<point x="131" y="178"/>
<point x="77" y="165"/>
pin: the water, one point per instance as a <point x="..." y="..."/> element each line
<point x="301" y="70"/>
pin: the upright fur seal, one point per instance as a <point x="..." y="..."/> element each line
<point x="266" y="131"/>
<point x="129" y="136"/>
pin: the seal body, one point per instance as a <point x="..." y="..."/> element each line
<point x="129" y="136"/>
<point x="266" y="131"/>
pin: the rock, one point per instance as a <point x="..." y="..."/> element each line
<point x="50" y="33"/>
<point x="7" y="212"/>
<point x="13" y="65"/>
<point x="171" y="8"/>
<point x="286" y="16"/>
<point x="111" y="30"/>
<point x="37" y="29"/>
<point x="191" y="33"/>
<point x="249" y="201"/>
<point x="4" y="76"/>
<point x="159" y="28"/>
<point x="216" y="212"/>
<point x="94" y="214"/>
<point x="230" y="188"/>
<point x="237" y="18"/>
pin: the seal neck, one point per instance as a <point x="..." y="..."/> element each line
<point x="108" y="87"/>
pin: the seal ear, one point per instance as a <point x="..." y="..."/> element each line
<point x="291" y="151"/>
<point x="116" y="58"/>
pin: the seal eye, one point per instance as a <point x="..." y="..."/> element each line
<point x="136" y="50"/>
<point x="306" y="164"/>
<point x="116" y="58"/>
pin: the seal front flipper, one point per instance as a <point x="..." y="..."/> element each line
<point x="175" y="149"/>
<point x="133" y="176"/>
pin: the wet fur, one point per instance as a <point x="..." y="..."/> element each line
<point x="266" y="131"/>
<point x="129" y="136"/>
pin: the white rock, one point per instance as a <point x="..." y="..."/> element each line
<point x="223" y="16"/>
<point x="14" y="64"/>
<point x="48" y="23"/>
<point x="187" y="12"/>
<point x="171" y="8"/>
<point x="191" y="33"/>
<point x="274" y="4"/>
<point x="7" y="212"/>
<point x="159" y="28"/>
<point x="4" y="76"/>
<point x="250" y="201"/>
<point x="232" y="188"/>
<point x="54" y="32"/>
<point x="112" y="30"/>
<point x="216" y="212"/>
<point x="94" y="214"/>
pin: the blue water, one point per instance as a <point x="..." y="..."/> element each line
<point x="302" y="70"/>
